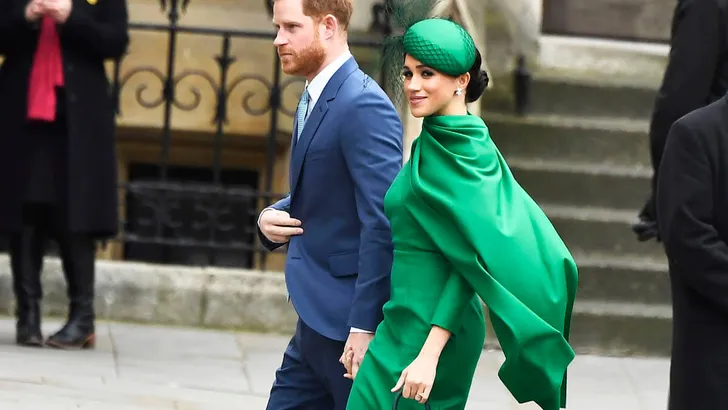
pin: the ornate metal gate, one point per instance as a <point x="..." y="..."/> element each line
<point x="173" y="213"/>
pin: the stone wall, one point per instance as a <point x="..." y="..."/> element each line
<point x="170" y="295"/>
<point x="646" y="20"/>
<point x="500" y="51"/>
<point x="232" y="299"/>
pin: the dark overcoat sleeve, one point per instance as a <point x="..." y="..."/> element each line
<point x="16" y="34"/>
<point x="696" y="48"/>
<point x="686" y="213"/>
<point x="100" y="30"/>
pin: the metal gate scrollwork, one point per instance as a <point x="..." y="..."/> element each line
<point x="205" y="216"/>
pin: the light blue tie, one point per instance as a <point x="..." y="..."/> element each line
<point x="302" y="111"/>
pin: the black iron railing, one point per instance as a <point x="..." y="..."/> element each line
<point x="203" y="216"/>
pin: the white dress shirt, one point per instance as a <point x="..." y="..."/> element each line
<point x="317" y="85"/>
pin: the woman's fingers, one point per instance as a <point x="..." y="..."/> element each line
<point x="423" y="394"/>
<point x="407" y="391"/>
<point x="414" y="390"/>
<point x="400" y="382"/>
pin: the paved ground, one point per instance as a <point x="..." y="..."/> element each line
<point x="156" y="368"/>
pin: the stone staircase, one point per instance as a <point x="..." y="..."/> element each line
<point x="583" y="155"/>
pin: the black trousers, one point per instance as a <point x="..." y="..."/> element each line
<point x="43" y="222"/>
<point x="310" y="376"/>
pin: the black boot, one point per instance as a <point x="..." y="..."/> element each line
<point x="78" y="256"/>
<point x="26" y="261"/>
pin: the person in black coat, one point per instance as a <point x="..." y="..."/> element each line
<point x="692" y="212"/>
<point x="58" y="177"/>
<point x="696" y="75"/>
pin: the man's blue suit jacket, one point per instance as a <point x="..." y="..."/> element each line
<point x="337" y="272"/>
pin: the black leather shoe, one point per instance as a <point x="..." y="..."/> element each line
<point x="78" y="333"/>
<point x="27" y="328"/>
<point x="79" y="257"/>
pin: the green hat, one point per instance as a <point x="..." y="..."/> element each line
<point x="440" y="44"/>
<point x="436" y="42"/>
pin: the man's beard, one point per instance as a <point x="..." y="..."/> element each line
<point x="306" y="61"/>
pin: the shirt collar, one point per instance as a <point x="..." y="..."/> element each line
<point x="317" y="85"/>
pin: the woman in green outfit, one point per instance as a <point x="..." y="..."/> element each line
<point x="463" y="230"/>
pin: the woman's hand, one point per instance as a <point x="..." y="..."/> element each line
<point x="417" y="379"/>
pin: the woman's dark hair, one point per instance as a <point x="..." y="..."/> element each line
<point x="478" y="80"/>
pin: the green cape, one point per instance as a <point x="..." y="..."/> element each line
<point x="498" y="238"/>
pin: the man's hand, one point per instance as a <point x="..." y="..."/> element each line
<point x="34" y="10"/>
<point x="59" y="9"/>
<point x="354" y="351"/>
<point x="278" y="226"/>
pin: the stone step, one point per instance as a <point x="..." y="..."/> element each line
<point x="623" y="280"/>
<point x="602" y="233"/>
<point x="616" y="329"/>
<point x="621" y="329"/>
<point x="604" y="60"/>
<point x="582" y="184"/>
<point x="574" y="97"/>
<point x="586" y="140"/>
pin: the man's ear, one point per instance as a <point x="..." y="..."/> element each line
<point x="331" y="25"/>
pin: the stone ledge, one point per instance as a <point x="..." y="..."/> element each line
<point x="172" y="295"/>
<point x="235" y="299"/>
<point x="239" y="299"/>
<point x="608" y="62"/>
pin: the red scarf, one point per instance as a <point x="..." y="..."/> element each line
<point x="46" y="74"/>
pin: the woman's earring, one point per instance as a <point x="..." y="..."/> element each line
<point x="458" y="91"/>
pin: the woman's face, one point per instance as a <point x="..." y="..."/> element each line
<point x="430" y="92"/>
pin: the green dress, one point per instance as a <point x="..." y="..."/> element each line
<point x="463" y="229"/>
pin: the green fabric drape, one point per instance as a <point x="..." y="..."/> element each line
<point x="503" y="244"/>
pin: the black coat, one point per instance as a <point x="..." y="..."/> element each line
<point x="692" y="211"/>
<point x="95" y="31"/>
<point x="697" y="68"/>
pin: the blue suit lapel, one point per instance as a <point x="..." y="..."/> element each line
<point x="299" y="148"/>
